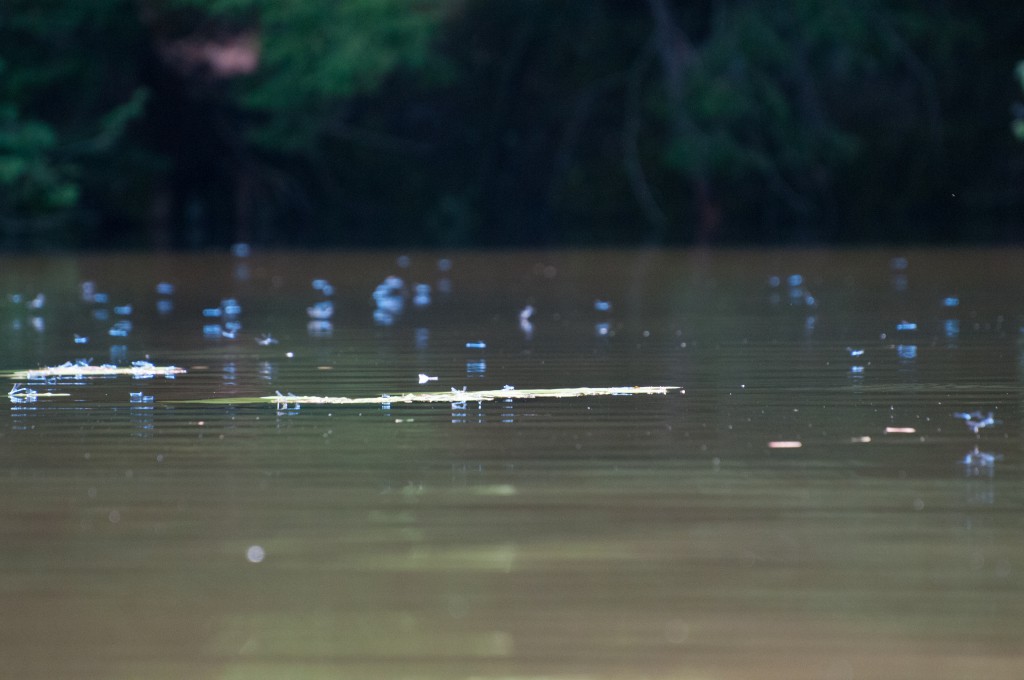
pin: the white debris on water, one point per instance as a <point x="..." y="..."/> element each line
<point x="321" y="311"/>
<point x="976" y="420"/>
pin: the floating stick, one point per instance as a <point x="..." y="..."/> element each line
<point x="80" y="369"/>
<point x="452" y="397"/>
<point x="458" y="396"/>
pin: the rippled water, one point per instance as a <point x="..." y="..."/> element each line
<point x="803" y="510"/>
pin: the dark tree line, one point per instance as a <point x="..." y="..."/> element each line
<point x="199" y="123"/>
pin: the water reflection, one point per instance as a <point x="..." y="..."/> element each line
<point x="525" y="323"/>
<point x="141" y="411"/>
<point x="980" y="463"/>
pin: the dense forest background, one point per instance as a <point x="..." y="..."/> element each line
<point x="193" y="124"/>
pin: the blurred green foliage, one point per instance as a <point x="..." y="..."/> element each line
<point x="316" y="55"/>
<point x="194" y="123"/>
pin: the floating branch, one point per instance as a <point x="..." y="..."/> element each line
<point x="82" y="369"/>
<point x="458" y="396"/>
<point x="453" y="397"/>
<point x="25" y="395"/>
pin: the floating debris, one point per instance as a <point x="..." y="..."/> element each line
<point x="424" y="378"/>
<point x="265" y="340"/>
<point x="321" y="311"/>
<point x="82" y="369"/>
<point x="389" y="297"/>
<point x="602" y="306"/>
<point x="463" y="395"/>
<point x="421" y="294"/>
<point x="900" y="430"/>
<point x="120" y="329"/>
<point x="976" y="420"/>
<point x="319" y="328"/>
<point x="785" y="445"/>
<point x="230" y="307"/>
<point x="81" y="339"/>
<point x="906" y="351"/>
<point x="453" y="396"/>
<point x="906" y="326"/>
<point x="24" y="395"/>
<point x="479" y="344"/>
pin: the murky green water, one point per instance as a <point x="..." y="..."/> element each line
<point x="598" y="537"/>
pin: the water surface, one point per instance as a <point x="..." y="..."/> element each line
<point x="803" y="510"/>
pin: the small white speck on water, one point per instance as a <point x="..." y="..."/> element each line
<point x="255" y="554"/>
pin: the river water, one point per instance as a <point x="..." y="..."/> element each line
<point x="824" y="496"/>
